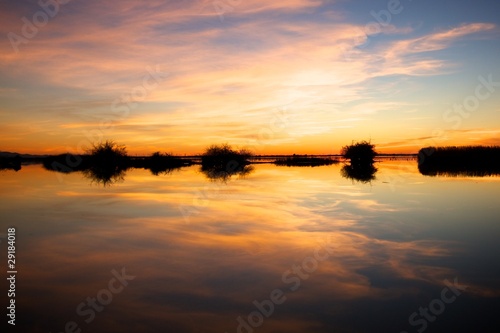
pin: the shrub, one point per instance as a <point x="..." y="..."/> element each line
<point x="107" y="152"/>
<point x="224" y="157"/>
<point x="164" y="163"/>
<point x="359" y="153"/>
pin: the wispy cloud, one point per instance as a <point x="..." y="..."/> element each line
<point x="233" y="73"/>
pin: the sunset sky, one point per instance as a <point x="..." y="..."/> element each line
<point x="296" y="76"/>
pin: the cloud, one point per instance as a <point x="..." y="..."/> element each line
<point x="403" y="56"/>
<point x="241" y="7"/>
<point x="441" y="40"/>
<point x="234" y="73"/>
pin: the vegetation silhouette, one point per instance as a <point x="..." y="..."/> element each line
<point x="105" y="156"/>
<point x="160" y="163"/>
<point x="99" y="173"/>
<point x="361" y="156"/>
<point x="220" y="162"/>
<point x="217" y="175"/>
<point x="360" y="173"/>
<point x="224" y="157"/>
<point x="107" y="163"/>
<point x="304" y="161"/>
<point x="360" y="153"/>
<point x="106" y="176"/>
<point x="64" y="163"/>
<point x="107" y="153"/>
<point x="473" y="161"/>
<point x="11" y="163"/>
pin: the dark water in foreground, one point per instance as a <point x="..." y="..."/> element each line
<point x="280" y="250"/>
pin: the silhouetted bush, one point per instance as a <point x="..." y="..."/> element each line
<point x="10" y="163"/>
<point x="164" y="163"/>
<point x="223" y="157"/>
<point x="459" y="160"/>
<point x="359" y="153"/>
<point x="105" y="163"/>
<point x="220" y="162"/>
<point x="66" y="163"/>
<point x="361" y="156"/>
<point x="107" y="153"/>
<point x="97" y="170"/>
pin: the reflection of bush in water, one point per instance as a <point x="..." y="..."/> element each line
<point x="106" y="176"/>
<point x="358" y="172"/>
<point x="218" y="174"/>
<point x="459" y="173"/>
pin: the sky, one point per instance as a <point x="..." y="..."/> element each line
<point x="276" y="77"/>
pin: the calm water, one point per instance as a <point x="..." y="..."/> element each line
<point x="280" y="250"/>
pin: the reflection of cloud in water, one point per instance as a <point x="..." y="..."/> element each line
<point x="233" y="252"/>
<point x="180" y="268"/>
<point x="372" y="205"/>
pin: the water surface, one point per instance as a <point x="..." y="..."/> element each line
<point x="334" y="254"/>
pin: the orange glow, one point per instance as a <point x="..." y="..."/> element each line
<point x="296" y="95"/>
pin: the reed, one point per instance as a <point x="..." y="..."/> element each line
<point x="459" y="160"/>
